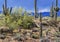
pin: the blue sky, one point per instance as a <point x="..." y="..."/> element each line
<point x="43" y="5"/>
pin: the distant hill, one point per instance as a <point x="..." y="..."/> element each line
<point x="1" y="12"/>
<point x="45" y="14"/>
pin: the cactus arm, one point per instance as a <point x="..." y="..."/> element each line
<point x="56" y="3"/>
<point x="10" y="9"/>
<point x="52" y="11"/>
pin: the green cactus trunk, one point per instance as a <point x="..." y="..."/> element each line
<point x="56" y="3"/>
<point x="5" y="4"/>
<point x="35" y="7"/>
<point x="55" y="16"/>
<point x="56" y="11"/>
<point x="40" y="25"/>
<point x="6" y="11"/>
<point x="52" y="11"/>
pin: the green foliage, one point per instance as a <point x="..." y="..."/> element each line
<point x="16" y="20"/>
<point x="2" y="20"/>
<point x="27" y="21"/>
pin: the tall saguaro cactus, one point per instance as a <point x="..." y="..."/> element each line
<point x="6" y="11"/>
<point x="56" y="3"/>
<point x="40" y="24"/>
<point x="56" y="10"/>
<point x="5" y="4"/>
<point x="5" y="8"/>
<point x="52" y="11"/>
<point x="35" y="7"/>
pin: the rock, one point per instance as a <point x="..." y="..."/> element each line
<point x="2" y="36"/>
<point x="32" y="40"/>
<point x="19" y="37"/>
<point x="15" y="31"/>
<point x="28" y="36"/>
<point x="22" y="30"/>
<point x="29" y="31"/>
<point x="45" y="40"/>
<point x="5" y="30"/>
<point x="14" y="41"/>
<point x="35" y="36"/>
<point x="25" y="33"/>
<point x="6" y="40"/>
<point x="35" y="30"/>
<point x="0" y="40"/>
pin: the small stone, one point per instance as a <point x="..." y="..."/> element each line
<point x="21" y="39"/>
<point x="35" y="30"/>
<point x="2" y="36"/>
<point x="45" y="40"/>
<point x="0" y="40"/>
<point x="35" y="36"/>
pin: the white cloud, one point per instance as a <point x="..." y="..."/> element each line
<point x="29" y="11"/>
<point x="44" y="10"/>
<point x="40" y="10"/>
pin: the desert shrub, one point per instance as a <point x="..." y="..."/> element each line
<point x="2" y="22"/>
<point x="15" y="20"/>
<point x="27" y="21"/>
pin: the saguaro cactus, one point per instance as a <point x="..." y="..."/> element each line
<point x="35" y="6"/>
<point x="5" y="4"/>
<point x="10" y="10"/>
<point x="56" y="10"/>
<point x="40" y="24"/>
<point x="52" y="11"/>
<point x="6" y="11"/>
<point x="5" y="8"/>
